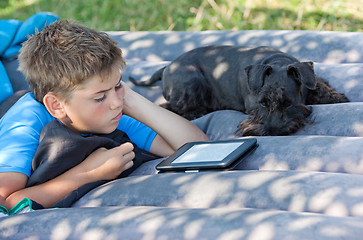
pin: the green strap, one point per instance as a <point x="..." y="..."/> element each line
<point x="25" y="205"/>
<point x="3" y="211"/>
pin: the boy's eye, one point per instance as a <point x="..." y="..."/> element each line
<point x="100" y="99"/>
<point x="119" y="85"/>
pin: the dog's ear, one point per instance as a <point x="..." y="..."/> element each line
<point x="255" y="76"/>
<point x="303" y="73"/>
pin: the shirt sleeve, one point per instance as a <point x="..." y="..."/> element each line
<point x="139" y="133"/>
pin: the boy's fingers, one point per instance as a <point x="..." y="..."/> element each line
<point x="125" y="148"/>
<point x="128" y="165"/>
<point x="129" y="156"/>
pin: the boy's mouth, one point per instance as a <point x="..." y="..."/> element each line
<point x="118" y="117"/>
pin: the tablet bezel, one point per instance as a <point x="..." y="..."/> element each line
<point x="246" y="145"/>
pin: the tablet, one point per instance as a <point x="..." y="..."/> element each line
<point x="216" y="155"/>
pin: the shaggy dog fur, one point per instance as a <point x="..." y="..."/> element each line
<point x="265" y="83"/>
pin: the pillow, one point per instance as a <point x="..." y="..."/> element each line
<point x="12" y="34"/>
<point x="17" y="78"/>
<point x="5" y="85"/>
<point x="8" y="29"/>
<point x="37" y="21"/>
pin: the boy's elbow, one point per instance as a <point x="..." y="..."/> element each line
<point x="10" y="182"/>
<point x="202" y="137"/>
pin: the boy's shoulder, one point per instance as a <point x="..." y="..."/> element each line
<point x="26" y="111"/>
<point x="20" y="129"/>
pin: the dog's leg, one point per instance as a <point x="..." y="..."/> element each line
<point x="190" y="97"/>
<point x="193" y="101"/>
<point x="324" y="94"/>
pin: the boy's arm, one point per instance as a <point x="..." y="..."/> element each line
<point x="173" y="130"/>
<point x="102" y="164"/>
<point x="10" y="182"/>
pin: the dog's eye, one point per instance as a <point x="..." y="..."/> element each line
<point x="286" y="103"/>
<point x="268" y="71"/>
<point x="264" y="104"/>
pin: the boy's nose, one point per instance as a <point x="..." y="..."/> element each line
<point x="117" y="101"/>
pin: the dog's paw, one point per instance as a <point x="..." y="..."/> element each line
<point x="249" y="127"/>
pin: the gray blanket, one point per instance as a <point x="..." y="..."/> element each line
<point x="304" y="186"/>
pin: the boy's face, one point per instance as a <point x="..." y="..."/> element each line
<point x="96" y="107"/>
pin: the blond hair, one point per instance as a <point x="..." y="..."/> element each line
<point x="65" y="54"/>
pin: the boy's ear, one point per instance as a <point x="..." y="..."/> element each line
<point x="54" y="105"/>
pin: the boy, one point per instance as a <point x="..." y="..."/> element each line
<point x="75" y="76"/>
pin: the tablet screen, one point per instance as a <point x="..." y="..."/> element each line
<point x="208" y="152"/>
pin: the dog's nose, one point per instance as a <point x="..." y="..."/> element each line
<point x="276" y="124"/>
<point x="275" y="131"/>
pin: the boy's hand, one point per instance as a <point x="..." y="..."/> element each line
<point x="129" y="94"/>
<point x="107" y="164"/>
<point x="102" y="164"/>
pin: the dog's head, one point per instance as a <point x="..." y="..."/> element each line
<point x="279" y="96"/>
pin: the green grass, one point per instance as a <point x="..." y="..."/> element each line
<point x="196" y="15"/>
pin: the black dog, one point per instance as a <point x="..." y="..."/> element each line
<point x="271" y="86"/>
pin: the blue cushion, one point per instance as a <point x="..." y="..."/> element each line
<point x="8" y="29"/>
<point x="37" y="21"/>
<point x="12" y="33"/>
<point x="5" y="86"/>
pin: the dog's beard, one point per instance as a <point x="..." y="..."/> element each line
<point x="255" y="126"/>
